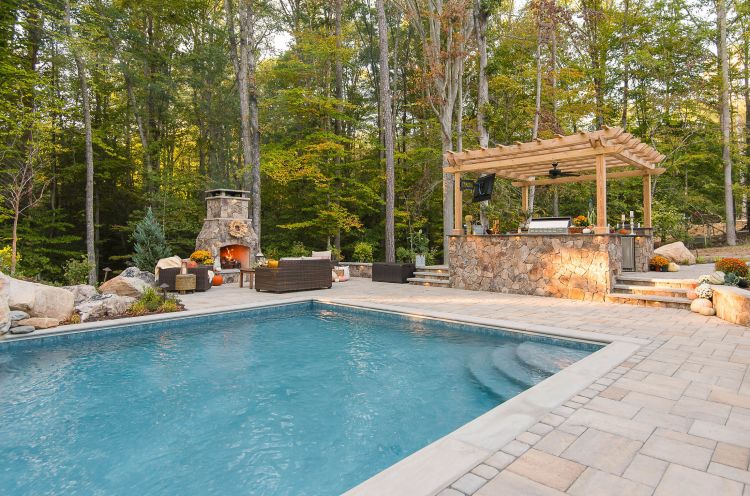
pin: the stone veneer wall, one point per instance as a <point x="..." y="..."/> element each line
<point x="644" y="250"/>
<point x="581" y="267"/>
<point x="359" y="269"/>
<point x="732" y="304"/>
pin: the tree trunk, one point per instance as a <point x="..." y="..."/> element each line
<point x="338" y="125"/>
<point x="14" y="241"/>
<point x="726" y="157"/>
<point x="387" y="113"/>
<point x="746" y="76"/>
<point x="626" y="65"/>
<point x="537" y="103"/>
<point x="253" y="111"/>
<point x="483" y="97"/>
<point x="80" y="68"/>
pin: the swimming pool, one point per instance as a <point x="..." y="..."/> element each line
<point x="296" y="399"/>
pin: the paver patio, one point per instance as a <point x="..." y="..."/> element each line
<point x="673" y="419"/>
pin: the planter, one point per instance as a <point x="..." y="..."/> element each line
<point x="586" y="230"/>
<point x="420" y="260"/>
<point x="575" y="230"/>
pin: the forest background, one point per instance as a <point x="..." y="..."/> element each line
<point x="190" y="95"/>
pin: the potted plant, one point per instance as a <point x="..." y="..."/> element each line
<point x="421" y="245"/>
<point x="469" y="221"/>
<point x="658" y="263"/>
<point x="579" y="223"/>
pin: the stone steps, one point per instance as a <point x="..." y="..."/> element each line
<point x="432" y="275"/>
<point x="648" y="291"/>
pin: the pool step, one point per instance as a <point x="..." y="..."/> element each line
<point x="548" y="358"/>
<point x="432" y="275"/>
<point x="507" y="363"/>
<point x="482" y="368"/>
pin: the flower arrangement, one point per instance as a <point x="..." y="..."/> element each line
<point x="658" y="262"/>
<point x="732" y="266"/>
<point x="581" y="221"/>
<point x="704" y="291"/>
<point x="202" y="257"/>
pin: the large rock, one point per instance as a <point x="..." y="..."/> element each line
<point x="104" y="305"/>
<point x="82" y="292"/>
<point x="131" y="282"/>
<point x="676" y="252"/>
<point x="40" y="322"/>
<point x="21" y="329"/>
<point x="40" y="300"/>
<point x="16" y="315"/>
<point x="5" y="313"/>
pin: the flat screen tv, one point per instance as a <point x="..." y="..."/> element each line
<point x="483" y="188"/>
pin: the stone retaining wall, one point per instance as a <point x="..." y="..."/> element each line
<point x="359" y="269"/>
<point x="644" y="250"/>
<point x="580" y="267"/>
<point x="732" y="304"/>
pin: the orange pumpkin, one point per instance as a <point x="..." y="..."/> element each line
<point x="218" y="280"/>
<point x="273" y="264"/>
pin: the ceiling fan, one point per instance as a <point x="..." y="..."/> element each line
<point x="554" y="172"/>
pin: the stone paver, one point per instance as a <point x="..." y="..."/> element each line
<point x="673" y="418"/>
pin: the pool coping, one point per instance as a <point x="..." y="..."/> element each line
<point x="433" y="467"/>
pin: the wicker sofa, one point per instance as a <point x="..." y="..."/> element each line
<point x="392" y="272"/>
<point x="294" y="275"/>
<point x="202" y="282"/>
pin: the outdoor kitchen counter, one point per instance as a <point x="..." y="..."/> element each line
<point x="577" y="266"/>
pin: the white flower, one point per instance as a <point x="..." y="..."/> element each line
<point x="704" y="291"/>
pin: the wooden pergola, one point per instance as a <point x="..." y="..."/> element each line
<point x="610" y="153"/>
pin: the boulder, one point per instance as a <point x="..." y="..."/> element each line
<point x="700" y="303"/>
<point x="40" y="300"/>
<point x="673" y="267"/>
<point x="16" y="315"/>
<point x="21" y="329"/>
<point x="82" y="292"/>
<point x="39" y="322"/>
<point x="104" y="305"/>
<point x="146" y="277"/>
<point x="676" y="252"/>
<point x="5" y="313"/>
<point x="129" y="283"/>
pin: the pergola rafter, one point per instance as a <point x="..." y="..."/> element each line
<point x="598" y="151"/>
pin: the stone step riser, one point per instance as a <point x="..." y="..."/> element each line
<point x="647" y="302"/>
<point x="654" y="284"/>
<point x="650" y="291"/>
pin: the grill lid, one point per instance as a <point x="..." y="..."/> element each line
<point x="556" y="225"/>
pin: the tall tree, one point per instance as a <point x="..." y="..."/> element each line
<point x="86" y="104"/>
<point x="725" y="120"/>
<point x="386" y="110"/>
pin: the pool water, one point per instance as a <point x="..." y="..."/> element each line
<point x="303" y="399"/>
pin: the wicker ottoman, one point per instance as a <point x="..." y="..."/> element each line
<point x="392" y="272"/>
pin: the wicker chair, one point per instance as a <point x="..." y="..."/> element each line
<point x="202" y="282"/>
<point x="294" y="275"/>
<point x="392" y="272"/>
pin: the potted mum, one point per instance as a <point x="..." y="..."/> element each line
<point x="579" y="223"/>
<point x="658" y="264"/>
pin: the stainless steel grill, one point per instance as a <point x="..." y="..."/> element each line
<point x="549" y="225"/>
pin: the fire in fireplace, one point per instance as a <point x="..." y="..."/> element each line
<point x="234" y="256"/>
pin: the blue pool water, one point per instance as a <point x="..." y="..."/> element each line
<point x="304" y="399"/>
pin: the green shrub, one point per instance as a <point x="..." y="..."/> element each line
<point x="149" y="243"/>
<point x="76" y="270"/>
<point x="151" y="301"/>
<point x="420" y="243"/>
<point x="299" y="250"/>
<point x="363" y="252"/>
<point x="404" y="255"/>
<point x="5" y="256"/>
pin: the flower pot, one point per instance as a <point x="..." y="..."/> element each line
<point x="587" y="230"/>
<point x="218" y="280"/>
<point x="420" y="260"/>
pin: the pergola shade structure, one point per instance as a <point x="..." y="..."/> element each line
<point x="609" y="153"/>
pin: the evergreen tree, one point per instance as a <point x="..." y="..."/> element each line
<point x="150" y="245"/>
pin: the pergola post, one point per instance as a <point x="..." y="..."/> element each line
<point x="525" y="199"/>
<point x="601" y="194"/>
<point x="647" y="200"/>
<point x="457" y="204"/>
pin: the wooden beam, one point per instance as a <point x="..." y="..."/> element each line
<point x="537" y="159"/>
<point x="457" y="204"/>
<point x="646" y="201"/>
<point x="586" y="178"/>
<point x="601" y="195"/>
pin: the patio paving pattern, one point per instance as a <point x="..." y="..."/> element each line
<point x="673" y="419"/>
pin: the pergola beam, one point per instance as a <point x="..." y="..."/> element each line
<point x="587" y="178"/>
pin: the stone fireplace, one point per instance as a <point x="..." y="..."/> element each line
<point x="227" y="232"/>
